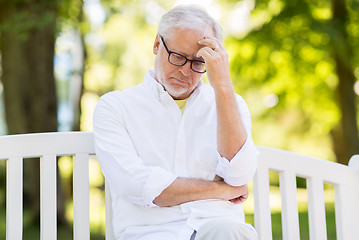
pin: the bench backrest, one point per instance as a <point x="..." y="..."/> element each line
<point x="289" y="165"/>
<point x="47" y="146"/>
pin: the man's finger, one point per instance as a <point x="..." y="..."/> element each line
<point x="212" y="43"/>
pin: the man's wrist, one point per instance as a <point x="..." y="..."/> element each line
<point x="219" y="190"/>
<point x="223" y="88"/>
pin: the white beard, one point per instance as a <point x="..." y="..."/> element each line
<point x="175" y="91"/>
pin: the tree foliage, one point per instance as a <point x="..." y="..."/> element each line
<point x="28" y="30"/>
<point x="288" y="62"/>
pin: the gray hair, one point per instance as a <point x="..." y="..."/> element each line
<point x="190" y="17"/>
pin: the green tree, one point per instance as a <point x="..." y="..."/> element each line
<point x="342" y="53"/>
<point x="300" y="53"/>
<point x="28" y="31"/>
<point x="122" y="52"/>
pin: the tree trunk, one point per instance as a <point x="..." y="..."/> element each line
<point x="77" y="80"/>
<point x="15" y="72"/>
<point x="79" y="70"/>
<point x="28" y="79"/>
<point x="347" y="99"/>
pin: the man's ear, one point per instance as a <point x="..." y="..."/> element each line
<point x="156" y="45"/>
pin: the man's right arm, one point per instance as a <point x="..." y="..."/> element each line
<point x="184" y="190"/>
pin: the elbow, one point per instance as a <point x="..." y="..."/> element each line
<point x="231" y="150"/>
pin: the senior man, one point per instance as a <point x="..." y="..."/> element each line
<point x="177" y="153"/>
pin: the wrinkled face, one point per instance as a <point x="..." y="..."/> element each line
<point x="179" y="81"/>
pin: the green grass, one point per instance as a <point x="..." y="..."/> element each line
<point x="303" y="223"/>
<point x="32" y="232"/>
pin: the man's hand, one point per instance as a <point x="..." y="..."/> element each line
<point x="243" y="197"/>
<point x="234" y="194"/>
<point x="216" y="58"/>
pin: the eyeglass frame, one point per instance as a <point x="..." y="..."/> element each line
<point x="187" y="60"/>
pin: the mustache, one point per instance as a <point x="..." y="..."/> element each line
<point x="181" y="78"/>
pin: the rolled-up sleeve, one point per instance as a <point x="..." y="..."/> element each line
<point x="124" y="170"/>
<point x="242" y="167"/>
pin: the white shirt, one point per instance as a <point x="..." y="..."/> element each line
<point x="143" y="143"/>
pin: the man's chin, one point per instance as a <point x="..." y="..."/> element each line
<point x="176" y="91"/>
<point x="177" y="94"/>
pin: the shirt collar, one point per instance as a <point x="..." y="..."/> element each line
<point x="157" y="89"/>
<point x="151" y="85"/>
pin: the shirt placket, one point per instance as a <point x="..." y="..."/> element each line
<point x="176" y="117"/>
<point x="180" y="160"/>
<point x="180" y="151"/>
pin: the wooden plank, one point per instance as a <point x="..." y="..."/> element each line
<point x="339" y="211"/>
<point x="316" y="209"/>
<point x="262" y="214"/>
<point x="346" y="211"/>
<point x="39" y="144"/>
<point x="331" y="172"/>
<point x="346" y="204"/>
<point x="352" y="202"/>
<point x="48" y="209"/>
<point x="290" y="220"/>
<point x="81" y="197"/>
<point x="14" y="189"/>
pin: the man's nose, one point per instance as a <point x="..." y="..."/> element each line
<point x="186" y="69"/>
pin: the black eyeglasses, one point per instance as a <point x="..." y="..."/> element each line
<point x="180" y="60"/>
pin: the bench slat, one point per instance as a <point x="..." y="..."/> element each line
<point x="346" y="211"/>
<point x="39" y="144"/>
<point x="316" y="209"/>
<point x="331" y="172"/>
<point x="81" y="197"/>
<point x="108" y="206"/>
<point x="14" y="188"/>
<point x="346" y="204"/>
<point x="288" y="190"/>
<point x="48" y="213"/>
<point x="262" y="214"/>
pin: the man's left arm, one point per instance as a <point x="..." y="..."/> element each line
<point x="233" y="137"/>
<point x="231" y="133"/>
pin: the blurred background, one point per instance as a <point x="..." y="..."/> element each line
<point x="295" y="62"/>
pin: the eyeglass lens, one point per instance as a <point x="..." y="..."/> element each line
<point x="179" y="60"/>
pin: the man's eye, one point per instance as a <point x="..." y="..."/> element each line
<point x="198" y="64"/>
<point x="177" y="57"/>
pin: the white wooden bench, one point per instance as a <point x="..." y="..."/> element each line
<point x="14" y="149"/>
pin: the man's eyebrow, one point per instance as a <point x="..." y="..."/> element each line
<point x="193" y="57"/>
<point x="198" y="58"/>
<point x="201" y="59"/>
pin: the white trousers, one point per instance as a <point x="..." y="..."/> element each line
<point x="225" y="229"/>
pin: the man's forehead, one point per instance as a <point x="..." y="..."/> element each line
<point x="184" y="41"/>
<point x="205" y="31"/>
